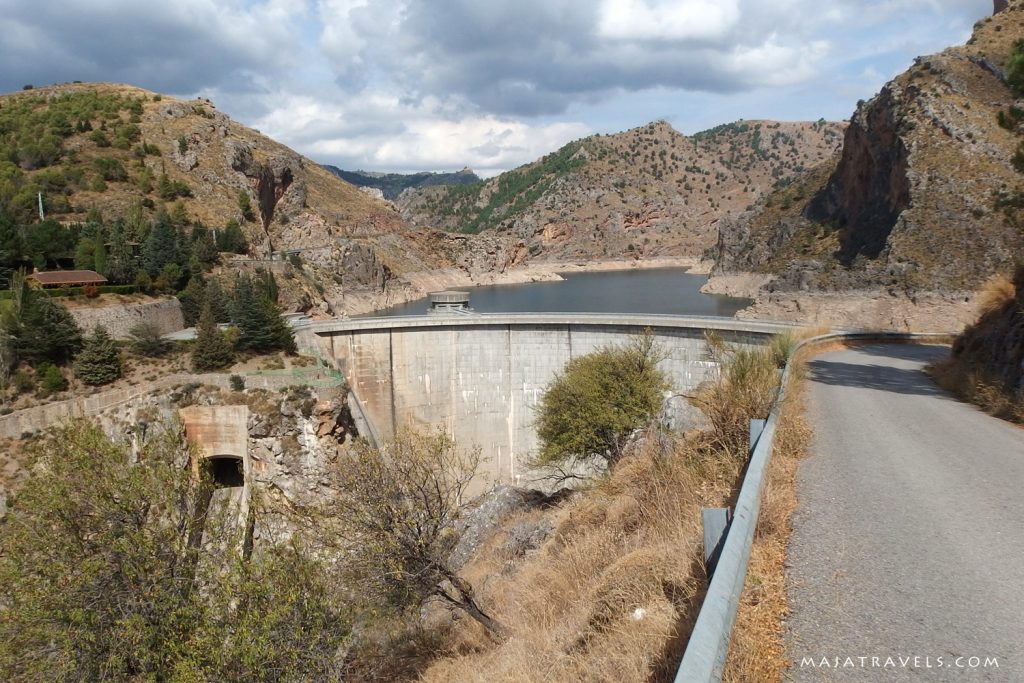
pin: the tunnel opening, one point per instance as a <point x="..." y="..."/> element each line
<point x="226" y="471"/>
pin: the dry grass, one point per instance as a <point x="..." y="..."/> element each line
<point x="995" y="294"/>
<point x="614" y="590"/>
<point x="971" y="385"/>
<point x="757" y="651"/>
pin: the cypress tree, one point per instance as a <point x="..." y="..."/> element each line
<point x="120" y="266"/>
<point x="212" y="350"/>
<point x="100" y="360"/>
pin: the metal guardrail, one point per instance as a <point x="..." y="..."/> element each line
<point x="706" y="651"/>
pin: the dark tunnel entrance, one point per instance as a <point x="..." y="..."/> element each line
<point x="226" y="471"/>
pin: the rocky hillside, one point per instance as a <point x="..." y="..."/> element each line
<point x="926" y="195"/>
<point x="650" y="191"/>
<point x="393" y="184"/>
<point x="129" y="153"/>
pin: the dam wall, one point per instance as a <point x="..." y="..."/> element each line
<point x="481" y="377"/>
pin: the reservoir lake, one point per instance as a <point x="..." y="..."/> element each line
<point x="654" y="290"/>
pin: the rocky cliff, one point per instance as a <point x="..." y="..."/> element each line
<point x="647" y="192"/>
<point x="923" y="196"/>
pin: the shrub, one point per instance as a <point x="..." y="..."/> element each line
<point x="782" y="346"/>
<point x="994" y="294"/>
<point x="146" y="340"/>
<point x="51" y="379"/>
<point x="237" y="382"/>
<point x="23" y="382"/>
<point x="743" y="391"/>
<point x="590" y="408"/>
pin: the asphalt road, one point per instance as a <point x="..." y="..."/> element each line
<point x="909" y="536"/>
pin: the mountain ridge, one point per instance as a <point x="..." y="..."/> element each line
<point x="646" y="192"/>
<point x="392" y="185"/>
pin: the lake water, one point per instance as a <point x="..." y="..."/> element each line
<point x="655" y="290"/>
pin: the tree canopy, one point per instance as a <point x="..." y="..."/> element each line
<point x="37" y="327"/>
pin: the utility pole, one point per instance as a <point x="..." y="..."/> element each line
<point x="41" y="216"/>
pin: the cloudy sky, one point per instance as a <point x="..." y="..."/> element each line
<point x="406" y="85"/>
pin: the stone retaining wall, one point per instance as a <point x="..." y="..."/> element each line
<point x="119" y="319"/>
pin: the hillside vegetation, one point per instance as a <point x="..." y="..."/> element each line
<point x="927" y="192"/>
<point x="649" y="191"/>
<point x="122" y="155"/>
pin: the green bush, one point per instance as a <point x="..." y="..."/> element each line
<point x="51" y="379"/>
<point x="237" y="382"/>
<point x="1015" y="69"/>
<point x="591" y="408"/>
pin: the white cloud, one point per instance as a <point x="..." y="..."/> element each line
<point x="673" y="20"/>
<point x="380" y="131"/>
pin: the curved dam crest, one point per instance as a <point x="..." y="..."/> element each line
<point x="480" y="377"/>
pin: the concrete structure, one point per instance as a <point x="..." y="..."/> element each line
<point x="222" y="434"/>
<point x="449" y="301"/>
<point x="481" y="377"/>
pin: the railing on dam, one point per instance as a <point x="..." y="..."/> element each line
<point x="706" y="651"/>
<point x="486" y="319"/>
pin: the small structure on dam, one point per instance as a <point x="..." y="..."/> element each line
<point x="449" y="301"/>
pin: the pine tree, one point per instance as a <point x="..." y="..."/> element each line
<point x="232" y="239"/>
<point x="193" y="299"/>
<point x="100" y="360"/>
<point x="212" y="350"/>
<point x="219" y="301"/>
<point x="161" y="246"/>
<point x="259" y="320"/>
<point x="38" y="327"/>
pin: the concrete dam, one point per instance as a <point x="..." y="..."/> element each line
<point x="480" y="377"/>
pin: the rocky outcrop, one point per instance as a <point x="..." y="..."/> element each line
<point x="921" y="197"/>
<point x="870" y="189"/>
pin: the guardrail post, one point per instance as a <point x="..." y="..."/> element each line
<point x="716" y="527"/>
<point x="756" y="427"/>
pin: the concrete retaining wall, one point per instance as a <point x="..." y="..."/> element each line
<point x="482" y="377"/>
